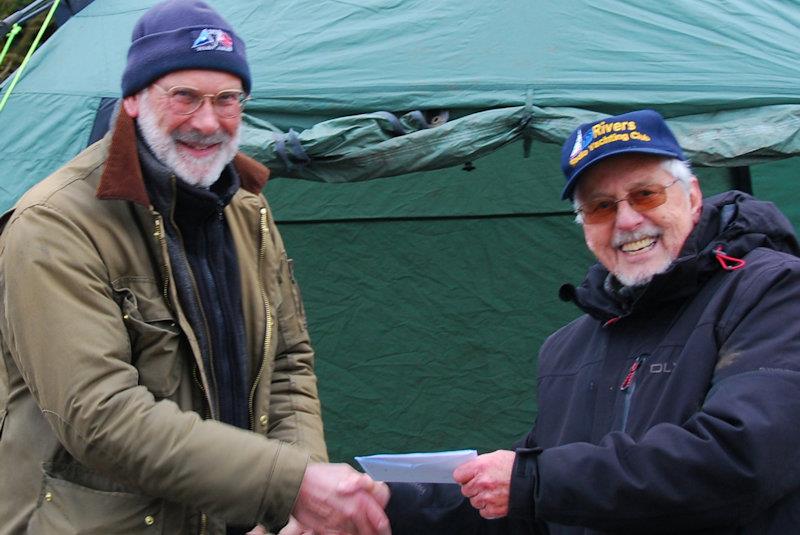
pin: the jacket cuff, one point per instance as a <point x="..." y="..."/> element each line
<point x="288" y="470"/>
<point x="523" y="484"/>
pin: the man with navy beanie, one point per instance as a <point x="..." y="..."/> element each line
<point x="670" y="406"/>
<point x="157" y="374"/>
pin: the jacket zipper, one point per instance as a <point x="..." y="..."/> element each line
<point x="203" y="523"/>
<point x="158" y="233"/>
<point x="268" y="316"/>
<point x="207" y="408"/>
<point x="628" y="387"/>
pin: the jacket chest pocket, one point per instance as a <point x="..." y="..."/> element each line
<point x="662" y="390"/>
<point x="157" y="343"/>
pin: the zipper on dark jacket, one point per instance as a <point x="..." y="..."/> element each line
<point x="628" y="387"/>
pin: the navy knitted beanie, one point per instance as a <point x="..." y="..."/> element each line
<point x="182" y="34"/>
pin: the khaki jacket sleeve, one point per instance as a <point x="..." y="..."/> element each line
<point x="66" y="334"/>
<point x="295" y="414"/>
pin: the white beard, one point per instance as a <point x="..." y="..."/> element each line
<point x="640" y="279"/>
<point x="637" y="277"/>
<point x="201" y="172"/>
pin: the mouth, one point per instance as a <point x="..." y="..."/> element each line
<point x="199" y="149"/>
<point x="639" y="246"/>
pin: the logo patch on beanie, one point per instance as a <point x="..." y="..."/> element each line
<point x="211" y="39"/>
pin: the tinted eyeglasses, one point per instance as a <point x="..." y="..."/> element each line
<point x="187" y="100"/>
<point x="641" y="198"/>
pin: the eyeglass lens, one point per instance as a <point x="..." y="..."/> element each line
<point x="641" y="199"/>
<point x="185" y="101"/>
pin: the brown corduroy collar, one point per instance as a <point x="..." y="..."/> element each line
<point x="122" y="177"/>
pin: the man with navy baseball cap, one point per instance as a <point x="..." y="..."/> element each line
<point x="156" y="371"/>
<point x="670" y="405"/>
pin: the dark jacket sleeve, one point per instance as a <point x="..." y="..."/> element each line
<point x="440" y="509"/>
<point x="726" y="465"/>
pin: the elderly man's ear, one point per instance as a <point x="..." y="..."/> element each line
<point x="695" y="200"/>
<point x="131" y="105"/>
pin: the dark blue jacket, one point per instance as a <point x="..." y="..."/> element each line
<point x="672" y="410"/>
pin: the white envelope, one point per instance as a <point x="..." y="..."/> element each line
<point x="434" y="467"/>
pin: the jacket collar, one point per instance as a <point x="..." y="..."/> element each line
<point x="122" y="177"/>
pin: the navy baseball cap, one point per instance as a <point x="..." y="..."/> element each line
<point x="642" y="131"/>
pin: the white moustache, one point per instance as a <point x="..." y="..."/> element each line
<point x="621" y="238"/>
<point x="198" y="138"/>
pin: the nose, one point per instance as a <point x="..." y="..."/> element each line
<point x="205" y="120"/>
<point x="627" y="218"/>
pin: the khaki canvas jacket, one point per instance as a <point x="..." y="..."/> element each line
<point x="105" y="422"/>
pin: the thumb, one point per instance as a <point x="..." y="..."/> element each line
<point x="381" y="493"/>
<point x="356" y="482"/>
<point x="464" y="472"/>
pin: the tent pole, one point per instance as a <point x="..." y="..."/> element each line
<point x="24" y="63"/>
<point x="741" y="179"/>
<point x="15" y="29"/>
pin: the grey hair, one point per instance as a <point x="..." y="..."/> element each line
<point x="679" y="169"/>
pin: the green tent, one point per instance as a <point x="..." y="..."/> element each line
<point x="429" y="293"/>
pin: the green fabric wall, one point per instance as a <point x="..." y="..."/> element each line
<point x="427" y="330"/>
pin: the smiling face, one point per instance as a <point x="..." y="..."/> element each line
<point x="196" y="146"/>
<point x="635" y="246"/>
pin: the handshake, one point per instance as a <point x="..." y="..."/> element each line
<point x="334" y="499"/>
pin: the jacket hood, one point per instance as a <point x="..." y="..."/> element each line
<point x="732" y="223"/>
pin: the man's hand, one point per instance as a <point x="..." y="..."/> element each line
<point x="486" y="481"/>
<point x="334" y="497"/>
<point x="356" y="481"/>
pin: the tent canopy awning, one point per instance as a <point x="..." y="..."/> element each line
<point x="725" y="76"/>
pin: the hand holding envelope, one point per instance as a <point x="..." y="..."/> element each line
<point x="484" y="479"/>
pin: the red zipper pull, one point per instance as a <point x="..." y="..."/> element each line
<point x="629" y="377"/>
<point x="728" y="263"/>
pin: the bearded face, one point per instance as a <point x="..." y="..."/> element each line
<point x="195" y="146"/>
<point x="632" y="245"/>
